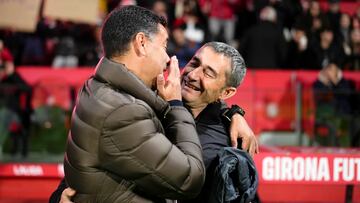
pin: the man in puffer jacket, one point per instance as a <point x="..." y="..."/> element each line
<point x="126" y="143"/>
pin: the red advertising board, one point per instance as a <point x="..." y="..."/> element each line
<point x="287" y="174"/>
<point x="268" y="96"/>
<point x="308" y="165"/>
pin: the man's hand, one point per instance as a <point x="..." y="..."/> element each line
<point x="240" y="129"/>
<point x="66" y="195"/>
<point x="171" y="88"/>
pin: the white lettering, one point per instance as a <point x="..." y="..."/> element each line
<point x="347" y="169"/>
<point x="311" y="168"/>
<point x="268" y="168"/>
<point x="60" y="169"/>
<point x="337" y="169"/>
<point x="323" y="172"/>
<point x="299" y="169"/>
<point x="348" y="174"/>
<point x="357" y="162"/>
<point x="286" y="168"/>
<point x="277" y="168"/>
<point x="31" y="170"/>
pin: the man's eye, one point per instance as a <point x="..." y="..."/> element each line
<point x="194" y="64"/>
<point x="209" y="74"/>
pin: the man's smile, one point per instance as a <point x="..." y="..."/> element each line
<point x="191" y="86"/>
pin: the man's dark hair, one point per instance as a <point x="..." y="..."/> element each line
<point x="121" y="26"/>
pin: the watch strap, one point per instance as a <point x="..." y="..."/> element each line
<point x="229" y="112"/>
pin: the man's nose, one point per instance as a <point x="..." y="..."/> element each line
<point x="195" y="74"/>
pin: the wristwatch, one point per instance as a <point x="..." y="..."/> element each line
<point x="229" y="112"/>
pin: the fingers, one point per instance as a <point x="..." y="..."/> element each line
<point x="239" y="129"/>
<point x="170" y="89"/>
<point x="250" y="144"/>
<point x="245" y="144"/>
<point x="66" y="195"/>
<point x="233" y="137"/>
<point x="174" y="71"/>
<point x="160" y="83"/>
<point x="70" y="192"/>
<point x="252" y="149"/>
<point x="257" y="147"/>
<point x="234" y="142"/>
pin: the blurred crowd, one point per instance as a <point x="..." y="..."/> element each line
<point x="292" y="34"/>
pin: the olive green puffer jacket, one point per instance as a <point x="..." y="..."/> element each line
<point x="126" y="144"/>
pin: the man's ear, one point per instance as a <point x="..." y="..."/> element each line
<point x="227" y="93"/>
<point x="139" y="43"/>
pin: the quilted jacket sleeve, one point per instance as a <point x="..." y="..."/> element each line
<point x="134" y="147"/>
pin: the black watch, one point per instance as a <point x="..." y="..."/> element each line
<point x="229" y="112"/>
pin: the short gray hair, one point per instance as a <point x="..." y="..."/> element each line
<point x="238" y="67"/>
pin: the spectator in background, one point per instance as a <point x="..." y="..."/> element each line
<point x="283" y="12"/>
<point x="14" y="41"/>
<point x="247" y="17"/>
<point x="222" y="18"/>
<point x="304" y="7"/>
<point x="333" y="107"/>
<point x="355" y="23"/>
<point x="180" y="46"/>
<point x="326" y="49"/>
<point x="184" y="7"/>
<point x="34" y="50"/>
<point x="343" y="33"/>
<point x="317" y="19"/>
<point x="313" y="20"/>
<point x="334" y="15"/>
<point x="12" y="89"/>
<point x="6" y="58"/>
<point x="187" y="35"/>
<point x="87" y="41"/>
<point x="298" y="56"/>
<point x="263" y="45"/>
<point x="65" y="51"/>
<point x="353" y="61"/>
<point x="160" y="7"/>
<point x="191" y="22"/>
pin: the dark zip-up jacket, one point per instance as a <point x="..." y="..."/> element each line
<point x="235" y="177"/>
<point x="214" y="138"/>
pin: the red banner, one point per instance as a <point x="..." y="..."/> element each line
<point x="274" y="165"/>
<point x="309" y="165"/>
<point x="268" y="96"/>
<point x="300" y="168"/>
<point x="287" y="174"/>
